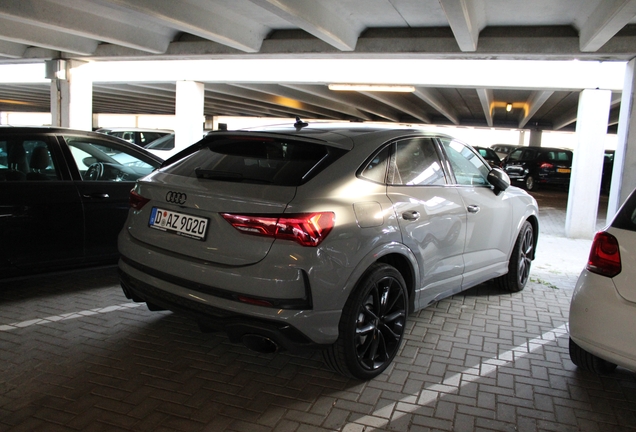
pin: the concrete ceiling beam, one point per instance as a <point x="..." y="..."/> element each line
<point x="314" y="18"/>
<point x="82" y="24"/>
<point x="435" y="99"/>
<point x="28" y="34"/>
<point x="536" y="101"/>
<point x="486" y="98"/>
<point x="609" y="17"/>
<point x="466" y="20"/>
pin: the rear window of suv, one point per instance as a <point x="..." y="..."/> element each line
<point x="257" y="160"/>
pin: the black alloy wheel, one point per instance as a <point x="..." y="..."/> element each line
<point x="520" y="261"/>
<point x="372" y="325"/>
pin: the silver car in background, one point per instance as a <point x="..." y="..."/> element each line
<point x="323" y="236"/>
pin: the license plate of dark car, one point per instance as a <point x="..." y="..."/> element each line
<point x="178" y="223"/>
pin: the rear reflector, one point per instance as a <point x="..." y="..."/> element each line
<point x="605" y="256"/>
<point x="307" y="229"/>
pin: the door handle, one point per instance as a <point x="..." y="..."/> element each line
<point x="96" y="196"/>
<point x="473" y="208"/>
<point x="411" y="215"/>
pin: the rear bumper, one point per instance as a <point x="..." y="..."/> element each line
<point x="211" y="318"/>
<point x="602" y="322"/>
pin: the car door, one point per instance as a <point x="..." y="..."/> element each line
<point x="431" y="214"/>
<point x="489" y="215"/>
<point x="41" y="214"/>
<point x="106" y="172"/>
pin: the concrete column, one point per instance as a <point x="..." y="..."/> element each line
<point x="72" y="97"/>
<point x="587" y="166"/>
<point x="522" y="137"/>
<point x="189" y="113"/>
<point x="535" y="138"/>
<point x="624" y="173"/>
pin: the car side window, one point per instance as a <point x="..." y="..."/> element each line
<point x="105" y="161"/>
<point x="515" y="155"/>
<point x="416" y="163"/>
<point x="376" y="168"/>
<point x="26" y="159"/>
<point x="469" y="169"/>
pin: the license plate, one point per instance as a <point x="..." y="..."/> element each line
<point x="178" y="223"/>
<point x="564" y="170"/>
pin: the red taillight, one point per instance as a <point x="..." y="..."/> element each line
<point x="546" y="165"/>
<point x="136" y="201"/>
<point x="308" y="229"/>
<point x="605" y="256"/>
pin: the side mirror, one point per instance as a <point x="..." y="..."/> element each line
<point x="499" y="179"/>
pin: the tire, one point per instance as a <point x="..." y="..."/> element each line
<point x="520" y="261"/>
<point x="588" y="361"/>
<point x="529" y="183"/>
<point x="371" y="326"/>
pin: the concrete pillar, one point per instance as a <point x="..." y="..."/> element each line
<point x="189" y="113"/>
<point x="522" y="137"/>
<point x="624" y="173"/>
<point x="535" y="138"/>
<point x="587" y="165"/>
<point x="72" y="96"/>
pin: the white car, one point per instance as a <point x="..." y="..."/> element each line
<point x="603" y="308"/>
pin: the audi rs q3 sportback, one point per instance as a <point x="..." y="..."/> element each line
<point x="323" y="236"/>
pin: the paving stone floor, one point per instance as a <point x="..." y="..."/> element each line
<point x="75" y="354"/>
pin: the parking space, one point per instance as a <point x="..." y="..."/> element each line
<point x="77" y="355"/>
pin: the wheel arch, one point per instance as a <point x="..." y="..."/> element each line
<point x="397" y="255"/>
<point x="403" y="265"/>
<point x="534" y="221"/>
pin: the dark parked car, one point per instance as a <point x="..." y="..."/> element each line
<point x="533" y="166"/>
<point x="503" y="150"/>
<point x="63" y="197"/>
<point x="323" y="236"/>
<point x="490" y="155"/>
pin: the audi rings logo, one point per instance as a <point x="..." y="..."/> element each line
<point x="176" y="197"/>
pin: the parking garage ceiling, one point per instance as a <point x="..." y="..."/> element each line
<point x="112" y="30"/>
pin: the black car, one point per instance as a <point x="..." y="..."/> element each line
<point x="533" y="166"/>
<point x="503" y="150"/>
<point x="490" y="155"/>
<point x="64" y="197"/>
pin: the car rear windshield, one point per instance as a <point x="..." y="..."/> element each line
<point x="259" y="160"/>
<point x="626" y="217"/>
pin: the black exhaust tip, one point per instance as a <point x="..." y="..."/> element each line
<point x="259" y="344"/>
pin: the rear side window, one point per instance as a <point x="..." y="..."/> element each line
<point x="626" y="217"/>
<point x="27" y="159"/>
<point x="559" y="156"/>
<point x="256" y="160"/>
